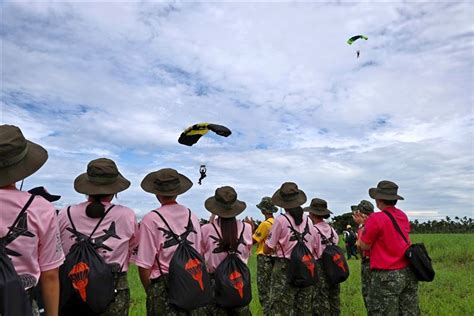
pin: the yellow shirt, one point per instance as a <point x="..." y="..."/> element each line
<point x="261" y="234"/>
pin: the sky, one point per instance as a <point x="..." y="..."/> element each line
<point x="121" y="80"/>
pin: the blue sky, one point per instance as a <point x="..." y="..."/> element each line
<point x="122" y="80"/>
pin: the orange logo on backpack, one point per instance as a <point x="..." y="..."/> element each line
<point x="79" y="276"/>
<point x="308" y="263"/>
<point x="237" y="282"/>
<point x="193" y="267"/>
<point x="337" y="259"/>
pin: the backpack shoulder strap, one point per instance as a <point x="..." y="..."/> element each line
<point x="100" y="221"/>
<point x="70" y="218"/>
<point x="164" y="220"/>
<point x="23" y="210"/>
<point x="217" y="232"/>
<point x="395" y="224"/>
<point x="306" y="229"/>
<point x="241" y="237"/>
<point x="323" y="237"/>
<point x="332" y="235"/>
<point x="291" y="225"/>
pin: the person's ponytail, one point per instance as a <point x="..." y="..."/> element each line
<point x="229" y="233"/>
<point x="297" y="214"/>
<point x="95" y="209"/>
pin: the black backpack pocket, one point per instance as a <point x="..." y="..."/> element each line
<point x="335" y="264"/>
<point x="188" y="281"/>
<point x="233" y="286"/>
<point x="86" y="276"/>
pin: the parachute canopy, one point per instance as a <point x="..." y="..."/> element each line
<point x="192" y="134"/>
<point x="355" y="38"/>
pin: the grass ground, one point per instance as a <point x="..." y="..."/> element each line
<point x="451" y="293"/>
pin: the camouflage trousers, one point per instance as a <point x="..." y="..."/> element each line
<point x="287" y="300"/>
<point x="214" y="310"/>
<point x="365" y="278"/>
<point x="325" y="298"/>
<point x="121" y="302"/>
<point x="264" y="280"/>
<point x="393" y="293"/>
<point x="157" y="302"/>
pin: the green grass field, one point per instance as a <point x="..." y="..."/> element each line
<point x="451" y="293"/>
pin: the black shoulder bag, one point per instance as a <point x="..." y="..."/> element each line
<point x="420" y="261"/>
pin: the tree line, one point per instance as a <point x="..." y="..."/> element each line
<point x="446" y="225"/>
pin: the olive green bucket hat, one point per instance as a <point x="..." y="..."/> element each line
<point x="19" y="157"/>
<point x="364" y="207"/>
<point x="289" y="196"/>
<point x="102" y="177"/>
<point x="224" y="203"/>
<point x="266" y="205"/>
<point x="385" y="190"/>
<point x="166" y="182"/>
<point x="318" y="207"/>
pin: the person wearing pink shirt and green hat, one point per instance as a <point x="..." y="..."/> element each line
<point x="29" y="230"/>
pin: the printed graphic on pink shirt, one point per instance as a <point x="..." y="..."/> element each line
<point x="97" y="242"/>
<point x="114" y="239"/>
<point x="34" y="243"/>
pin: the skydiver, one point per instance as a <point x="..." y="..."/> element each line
<point x="358" y="53"/>
<point x="202" y="171"/>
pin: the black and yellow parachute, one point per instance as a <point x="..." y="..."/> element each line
<point x="192" y="134"/>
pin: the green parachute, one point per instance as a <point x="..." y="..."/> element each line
<point x="355" y="38"/>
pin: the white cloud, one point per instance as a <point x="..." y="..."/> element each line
<point x="122" y="80"/>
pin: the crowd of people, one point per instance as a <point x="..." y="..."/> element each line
<point x="186" y="268"/>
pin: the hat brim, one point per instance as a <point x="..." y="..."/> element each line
<point x="148" y="185"/>
<point x="354" y="208"/>
<point x="278" y="201"/>
<point x="32" y="162"/>
<point x="84" y="186"/>
<point x="216" y="208"/>
<point x="377" y="195"/>
<point x="318" y="212"/>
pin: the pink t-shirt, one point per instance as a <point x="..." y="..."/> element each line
<point x="152" y="239"/>
<point x="280" y="234"/>
<point x="120" y="221"/>
<point x="388" y="247"/>
<point x="42" y="251"/>
<point x="325" y="230"/>
<point x="209" y="244"/>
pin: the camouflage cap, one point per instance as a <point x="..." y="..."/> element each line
<point x="364" y="207"/>
<point x="266" y="205"/>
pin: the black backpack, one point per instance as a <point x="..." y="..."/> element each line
<point x="85" y="276"/>
<point x="333" y="259"/>
<point x="351" y="237"/>
<point x="302" y="267"/>
<point x="417" y="255"/>
<point x="233" y="288"/>
<point x="188" y="284"/>
<point x="13" y="298"/>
